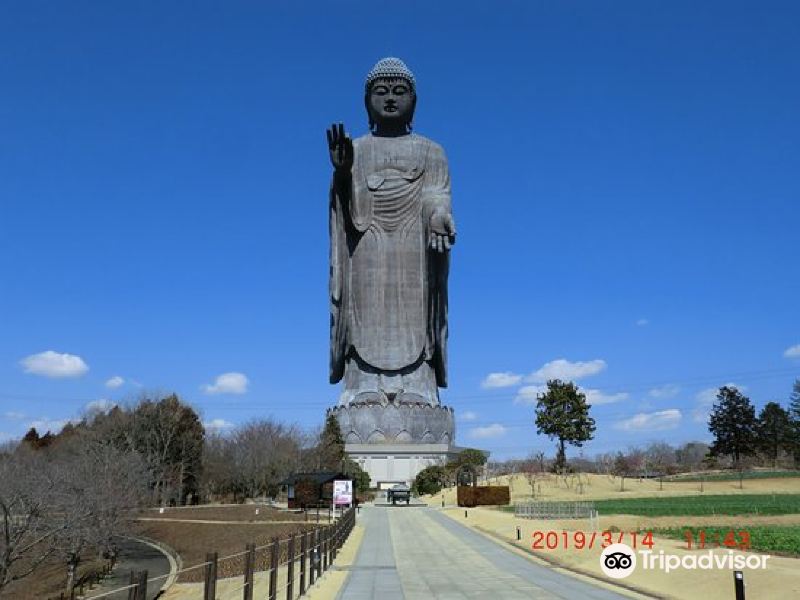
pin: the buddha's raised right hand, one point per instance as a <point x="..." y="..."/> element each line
<point x="340" y="147"/>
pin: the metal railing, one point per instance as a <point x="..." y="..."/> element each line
<point x="554" y="510"/>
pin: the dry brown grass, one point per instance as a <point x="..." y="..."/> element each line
<point x="599" y="487"/>
<point x="49" y="580"/>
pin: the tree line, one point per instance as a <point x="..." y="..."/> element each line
<point x="740" y="436"/>
<point x="72" y="494"/>
<point x="772" y="437"/>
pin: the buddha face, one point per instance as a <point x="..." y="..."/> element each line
<point x="391" y="102"/>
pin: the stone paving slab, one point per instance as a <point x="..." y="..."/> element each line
<point x="373" y="574"/>
<point x="422" y="554"/>
<point x="551" y="582"/>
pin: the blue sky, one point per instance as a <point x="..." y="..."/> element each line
<point x="624" y="184"/>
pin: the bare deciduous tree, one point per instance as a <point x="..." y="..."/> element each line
<point x="99" y="487"/>
<point x="25" y="496"/>
<point x="72" y="497"/>
<point x="252" y="459"/>
<point x="534" y="468"/>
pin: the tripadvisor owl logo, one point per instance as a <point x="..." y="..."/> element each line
<point x="618" y="561"/>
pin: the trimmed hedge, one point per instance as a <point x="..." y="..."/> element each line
<point x="487" y="495"/>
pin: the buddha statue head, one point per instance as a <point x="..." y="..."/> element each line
<point x="390" y="97"/>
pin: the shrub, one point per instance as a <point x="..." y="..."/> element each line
<point x="429" y="481"/>
<point x="487" y="495"/>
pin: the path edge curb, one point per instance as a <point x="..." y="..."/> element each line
<point x="175" y="561"/>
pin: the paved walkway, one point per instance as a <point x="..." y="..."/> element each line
<point x="134" y="555"/>
<point x="418" y="553"/>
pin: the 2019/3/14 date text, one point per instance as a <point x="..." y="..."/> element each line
<point x="581" y="540"/>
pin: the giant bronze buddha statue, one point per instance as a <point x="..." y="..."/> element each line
<point x="391" y="231"/>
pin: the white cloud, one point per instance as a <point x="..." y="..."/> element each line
<point x="490" y="431"/>
<point x="228" y="383"/>
<point x="706" y="399"/>
<point x="115" y="382"/>
<point x="656" y="421"/>
<point x="217" y="425"/>
<point x="792" y="352"/>
<point x="595" y="397"/>
<point x="566" y="370"/>
<point x="501" y="380"/>
<point x="468" y="415"/>
<point x="16" y="416"/>
<point x="103" y="405"/>
<point x="642" y="322"/>
<point x="529" y="394"/>
<point x="665" y="391"/>
<point x="53" y="364"/>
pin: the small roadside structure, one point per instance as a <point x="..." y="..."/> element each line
<point x="314" y="489"/>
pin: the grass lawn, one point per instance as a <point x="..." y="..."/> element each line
<point x="777" y="539"/>
<point x="744" y="504"/>
<point x="727" y="504"/>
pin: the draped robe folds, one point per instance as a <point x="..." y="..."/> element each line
<point x="388" y="289"/>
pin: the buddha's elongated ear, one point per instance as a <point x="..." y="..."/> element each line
<point x="410" y="123"/>
<point x="369" y="112"/>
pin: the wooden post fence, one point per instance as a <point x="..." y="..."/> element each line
<point x="249" y="568"/>
<point x="318" y="553"/>
<point x="316" y="550"/>
<point x="210" y="587"/>
<point x="131" y="590"/>
<point x="290" y="570"/>
<point x="141" y="585"/>
<point x="335" y="544"/>
<point x="331" y="534"/>
<point x="273" y="573"/>
<point x="303" y="557"/>
<point x="312" y="566"/>
<point x="324" y="545"/>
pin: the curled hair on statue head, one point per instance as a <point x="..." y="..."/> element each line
<point x="390" y="80"/>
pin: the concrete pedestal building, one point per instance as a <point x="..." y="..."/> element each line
<point x="390" y="464"/>
<point x="393" y="442"/>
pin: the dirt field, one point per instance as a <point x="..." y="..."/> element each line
<point x="193" y="540"/>
<point x="326" y="588"/>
